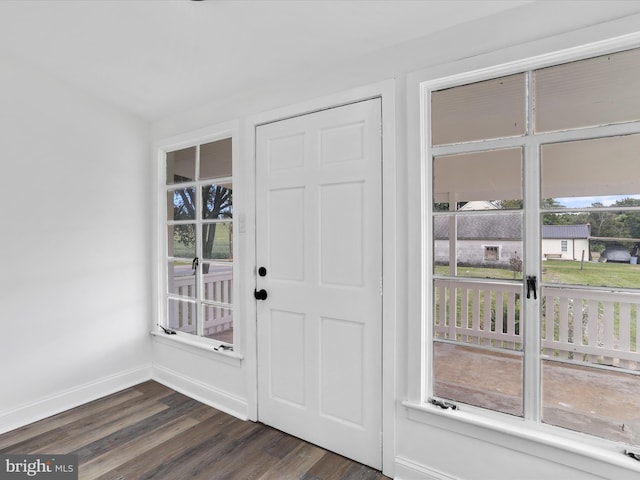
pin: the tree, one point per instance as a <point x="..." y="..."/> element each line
<point x="629" y="220"/>
<point x="616" y="224"/>
<point x="509" y="204"/>
<point x="217" y="205"/>
<point x="184" y="209"/>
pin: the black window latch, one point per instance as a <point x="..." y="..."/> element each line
<point x="633" y="454"/>
<point x="442" y="404"/>
<point x="223" y="348"/>
<point x="166" y="330"/>
<point x="532" y="284"/>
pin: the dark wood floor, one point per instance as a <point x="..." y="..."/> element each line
<point x="152" y="432"/>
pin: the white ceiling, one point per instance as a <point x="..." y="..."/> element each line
<point x="158" y="57"/>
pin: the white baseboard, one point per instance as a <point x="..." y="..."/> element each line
<point x="70" y="398"/>
<point x="202" y="392"/>
<point x="409" y="470"/>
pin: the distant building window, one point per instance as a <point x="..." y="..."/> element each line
<point x="563" y="245"/>
<point x="491" y="253"/>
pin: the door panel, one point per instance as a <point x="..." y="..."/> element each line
<point x="319" y="236"/>
<point x="342" y="369"/>
<point x="287" y="360"/>
<point x="342" y="234"/>
<point x="286" y="233"/>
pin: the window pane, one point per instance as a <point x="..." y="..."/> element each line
<point x="478" y="245"/>
<point x="182" y="279"/>
<point x="181" y="315"/>
<point x="486" y="315"/>
<point x="217" y="201"/>
<point x="478" y="313"/>
<point x="217" y="282"/>
<point x="490" y="109"/>
<point x="217" y="292"/>
<point x="182" y="241"/>
<point x="218" y="322"/>
<point x="215" y="159"/>
<point x="595" y="91"/>
<point x="590" y="173"/>
<point x="181" y="165"/>
<point x="491" y="180"/>
<point x="217" y="241"/>
<point x="591" y="361"/>
<point x="181" y="204"/>
<point x="565" y="237"/>
<point x="604" y="247"/>
<point x="478" y="377"/>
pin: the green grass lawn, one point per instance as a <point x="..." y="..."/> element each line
<point x="621" y="275"/>
<point x="480" y="272"/>
<point x="221" y="246"/>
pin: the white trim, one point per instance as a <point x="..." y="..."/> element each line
<point x="72" y="397"/>
<point x="206" y="134"/>
<point x="385" y="90"/>
<point x="201" y="392"/>
<point x="409" y="470"/>
<point x="194" y="344"/>
<point x="579" y="451"/>
<point x="322" y="103"/>
<point x="391" y="212"/>
<point x="623" y="42"/>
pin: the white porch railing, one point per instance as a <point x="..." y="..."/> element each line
<point x="218" y="288"/>
<point x="592" y="326"/>
<point x="478" y="313"/>
<point x="578" y="325"/>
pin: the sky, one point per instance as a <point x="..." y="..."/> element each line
<point x="579" y="202"/>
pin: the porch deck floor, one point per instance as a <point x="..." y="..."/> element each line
<point x="601" y="402"/>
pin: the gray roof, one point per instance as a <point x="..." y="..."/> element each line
<point x="566" y="231"/>
<point x="505" y="226"/>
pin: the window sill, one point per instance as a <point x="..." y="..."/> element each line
<point x="195" y="345"/>
<point x="515" y="434"/>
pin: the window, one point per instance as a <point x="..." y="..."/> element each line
<point x="491" y="253"/>
<point x="199" y="248"/>
<point x="550" y="146"/>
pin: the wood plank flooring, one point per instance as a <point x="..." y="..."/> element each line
<point x="152" y="432"/>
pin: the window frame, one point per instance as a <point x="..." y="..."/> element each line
<point x="421" y="299"/>
<point x="491" y="253"/>
<point x="211" y="134"/>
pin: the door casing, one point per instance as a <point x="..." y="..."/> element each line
<point x="394" y="223"/>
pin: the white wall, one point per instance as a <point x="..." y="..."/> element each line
<point x="575" y="247"/>
<point x="77" y="239"/>
<point x="75" y="232"/>
<point x="424" y="445"/>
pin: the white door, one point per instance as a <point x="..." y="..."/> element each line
<point x="319" y="243"/>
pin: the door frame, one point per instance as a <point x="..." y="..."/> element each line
<point x="392" y="223"/>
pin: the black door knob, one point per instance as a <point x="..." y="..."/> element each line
<point x="260" y="294"/>
<point x="262" y="271"/>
